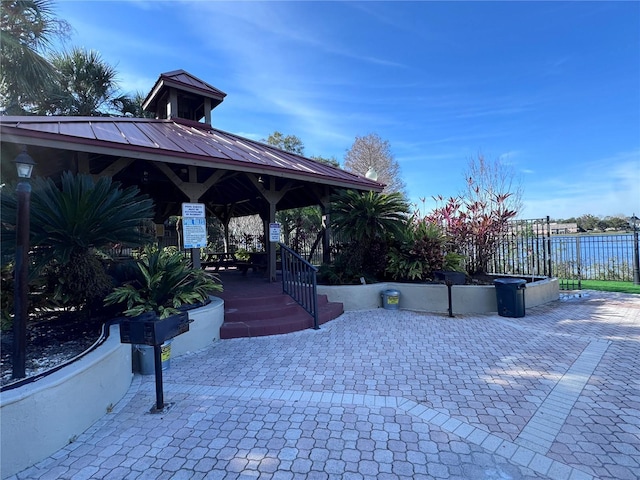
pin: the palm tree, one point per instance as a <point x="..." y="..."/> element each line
<point x="87" y="85"/>
<point x="131" y="105"/>
<point x="27" y="28"/>
<point x="366" y="216"/>
<point x="72" y="227"/>
<point x="368" y="221"/>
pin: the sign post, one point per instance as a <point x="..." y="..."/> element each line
<point x="194" y="230"/>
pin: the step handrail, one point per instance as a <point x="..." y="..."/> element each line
<point x="299" y="281"/>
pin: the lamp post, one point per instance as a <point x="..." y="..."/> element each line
<point x="24" y="164"/>
<point x="636" y="259"/>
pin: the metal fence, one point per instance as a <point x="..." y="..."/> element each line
<point x="592" y="257"/>
<point x="527" y="248"/>
<point x="524" y="249"/>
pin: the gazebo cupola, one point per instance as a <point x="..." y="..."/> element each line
<point x="180" y="95"/>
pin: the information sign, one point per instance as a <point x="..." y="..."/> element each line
<point x="193" y="210"/>
<point x="194" y="225"/>
<point x="274" y="232"/>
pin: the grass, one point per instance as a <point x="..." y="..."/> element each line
<point x="610" y="286"/>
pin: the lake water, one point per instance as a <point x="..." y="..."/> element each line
<point x="596" y="257"/>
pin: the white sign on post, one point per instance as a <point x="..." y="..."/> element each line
<point x="193" y="210"/>
<point x="194" y="225"/>
<point x="274" y="232"/>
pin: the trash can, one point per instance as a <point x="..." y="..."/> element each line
<point x="146" y="362"/>
<point x="391" y="299"/>
<point x="510" y="296"/>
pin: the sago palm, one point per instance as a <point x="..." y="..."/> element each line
<point x="363" y="217"/>
<point x="70" y="224"/>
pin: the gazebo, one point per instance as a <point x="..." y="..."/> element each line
<point x="178" y="157"/>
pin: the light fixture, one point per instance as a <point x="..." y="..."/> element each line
<point x="24" y="164"/>
<point x="371" y="174"/>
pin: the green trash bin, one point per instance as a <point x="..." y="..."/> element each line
<point x="510" y="296"/>
<point x="391" y="299"/>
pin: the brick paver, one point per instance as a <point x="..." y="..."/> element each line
<point x="389" y="394"/>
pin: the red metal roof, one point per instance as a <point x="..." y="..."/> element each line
<point x="184" y="82"/>
<point x="175" y="141"/>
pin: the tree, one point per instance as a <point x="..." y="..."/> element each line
<point x="131" y="105"/>
<point x="488" y="182"/>
<point x="298" y="224"/>
<point x="367" y="220"/>
<point x="587" y="222"/>
<point x="27" y="28"/>
<point x="288" y="143"/>
<point x="333" y="161"/>
<point x="72" y="226"/>
<point x="87" y="85"/>
<point x="371" y="151"/>
<point x="368" y="215"/>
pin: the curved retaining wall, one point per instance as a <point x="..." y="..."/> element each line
<point x="434" y="298"/>
<point x="204" y="329"/>
<point x="39" y="418"/>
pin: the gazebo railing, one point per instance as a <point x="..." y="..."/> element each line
<point x="299" y="281"/>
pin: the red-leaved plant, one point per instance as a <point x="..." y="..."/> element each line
<point x="473" y="228"/>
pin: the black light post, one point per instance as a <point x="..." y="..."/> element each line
<point x="24" y="164"/>
<point x="636" y="257"/>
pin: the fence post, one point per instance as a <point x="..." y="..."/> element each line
<point x="579" y="262"/>
<point x="548" y="239"/>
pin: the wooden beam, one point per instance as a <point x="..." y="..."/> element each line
<point x="115" y="167"/>
<point x="193" y="190"/>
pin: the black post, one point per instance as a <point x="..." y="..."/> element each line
<point x="21" y="281"/>
<point x="449" y="284"/>
<point x="157" y="363"/>
<point x="636" y="257"/>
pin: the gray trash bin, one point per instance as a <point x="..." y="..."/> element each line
<point x="146" y="362"/>
<point x="391" y="299"/>
<point x="510" y="296"/>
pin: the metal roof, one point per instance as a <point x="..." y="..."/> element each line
<point x="184" y="82"/>
<point x="176" y="141"/>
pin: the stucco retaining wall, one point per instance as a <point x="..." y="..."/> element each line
<point x="203" y="330"/>
<point x="434" y="297"/>
<point x="39" y="418"/>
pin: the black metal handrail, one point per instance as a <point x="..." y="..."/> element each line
<point x="299" y="281"/>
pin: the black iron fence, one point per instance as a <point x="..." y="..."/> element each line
<point x="592" y="257"/>
<point x="526" y="248"/>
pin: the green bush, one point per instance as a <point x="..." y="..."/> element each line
<point x="416" y="253"/>
<point x="164" y="282"/>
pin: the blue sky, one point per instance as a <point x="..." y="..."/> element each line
<point x="550" y="88"/>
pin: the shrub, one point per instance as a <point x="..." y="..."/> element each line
<point x="164" y="282"/>
<point x="417" y="252"/>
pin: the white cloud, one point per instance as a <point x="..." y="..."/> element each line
<point x="601" y="187"/>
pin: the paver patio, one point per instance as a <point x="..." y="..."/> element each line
<point x="389" y="395"/>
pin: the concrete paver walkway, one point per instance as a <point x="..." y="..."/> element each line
<point x="389" y="395"/>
